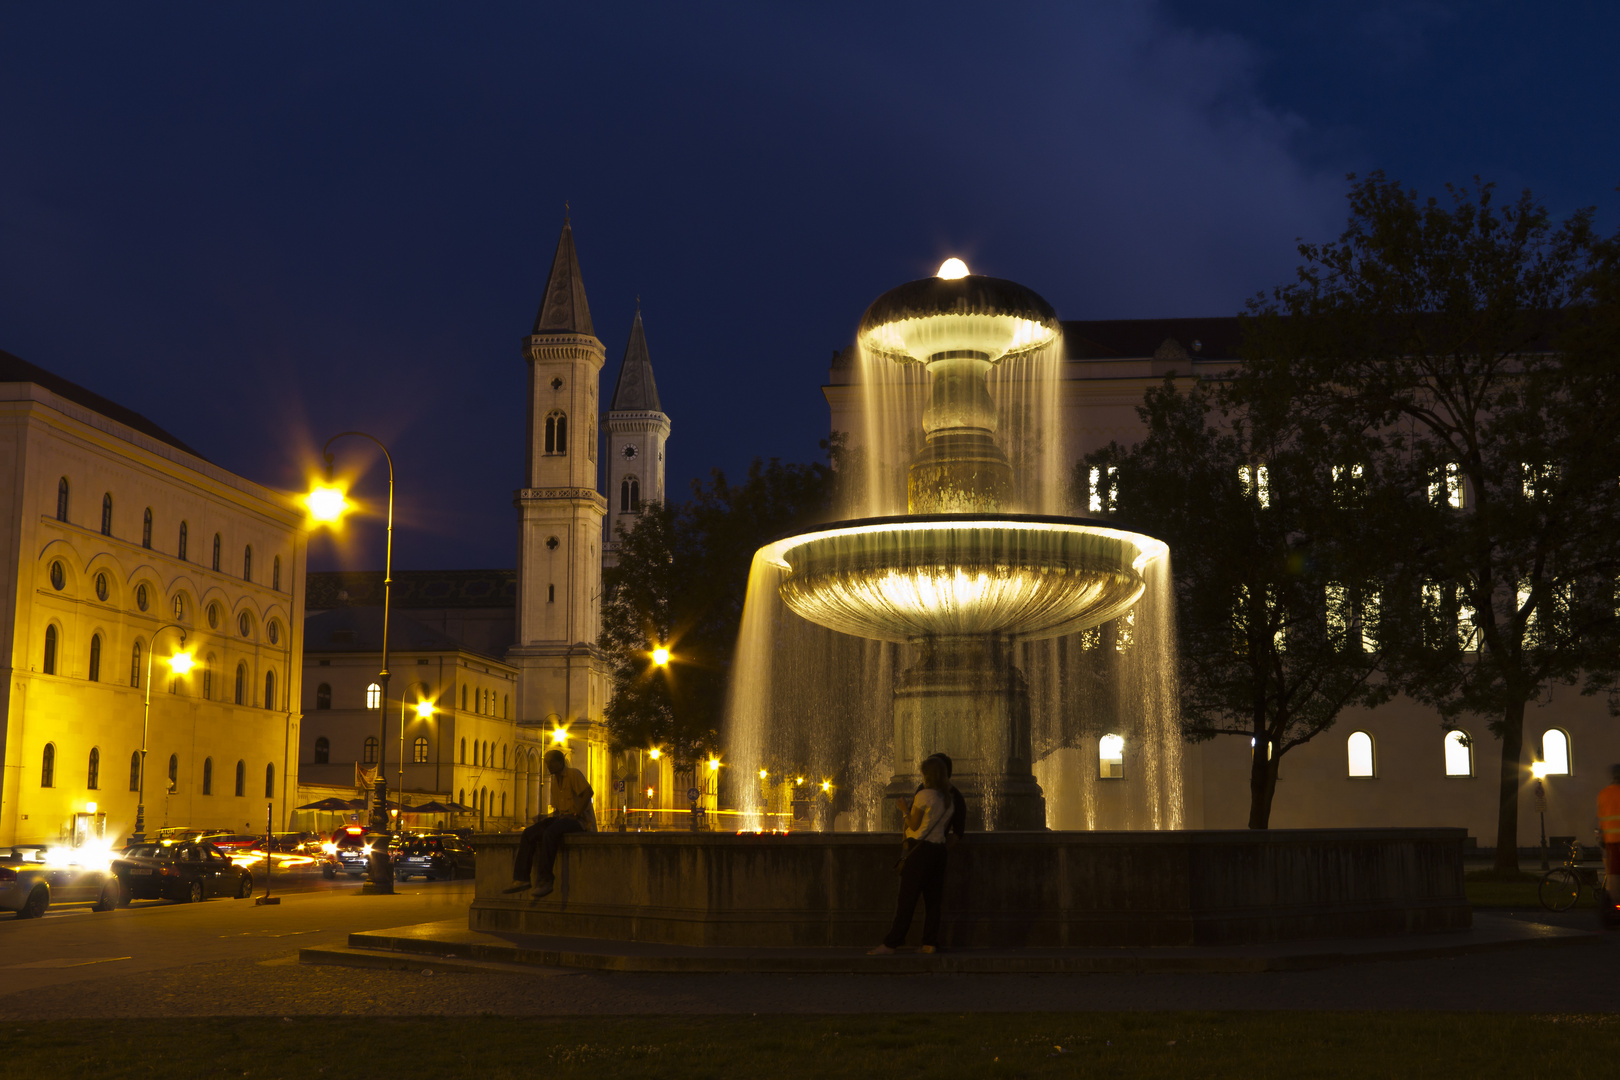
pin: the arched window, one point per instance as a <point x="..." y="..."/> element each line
<point x="241" y="779"/>
<point x="461" y="797"/>
<point x="323" y="696"/>
<point x="92" y="774"/>
<point x="241" y="684"/>
<point x="247" y="563"/>
<point x="106" y="514"/>
<point x="629" y="495"/>
<point x="1359" y="752"/>
<point x="208" y="677"/>
<point x="373" y="696"/>
<point x="174" y="772"/>
<point x="463" y="753"/>
<point x="419" y="750"/>
<point x="208" y="776"/>
<point x="146" y="529"/>
<point x="135" y="666"/>
<point x="275" y="573"/>
<point x="463" y="697"/>
<point x="182" y="548"/>
<point x="1111" y="757"/>
<point x="270" y="780"/>
<point x="62" y="499"/>
<point x="47" y="766"/>
<point x="503" y="755"/>
<point x="323" y="751"/>
<point x="95" y="657"/>
<point x="1555" y="751"/>
<point x="50" y="651"/>
<point x="503" y="804"/>
<point x="1459" y="753"/>
<point x="557" y="433"/>
<point x="216" y="551"/>
<point x="506" y="706"/>
<point x="135" y="771"/>
<point x="270" y="689"/>
<point x="368" y="756"/>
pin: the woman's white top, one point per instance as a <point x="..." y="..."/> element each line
<point x="936" y="807"/>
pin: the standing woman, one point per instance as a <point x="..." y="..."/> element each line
<point x="923" y="871"/>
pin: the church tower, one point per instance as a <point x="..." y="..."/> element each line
<point x="636" y="432"/>
<point x="563" y="681"/>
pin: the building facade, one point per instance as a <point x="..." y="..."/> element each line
<point x="122" y="539"/>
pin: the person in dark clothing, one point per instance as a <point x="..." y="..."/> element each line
<point x="923" y="873"/>
<point x="958" y="823"/>
<point x="572" y="811"/>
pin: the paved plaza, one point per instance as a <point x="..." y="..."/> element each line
<point x="230" y="958"/>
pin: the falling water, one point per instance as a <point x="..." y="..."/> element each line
<point x="807" y="701"/>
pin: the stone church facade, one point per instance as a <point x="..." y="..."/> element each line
<point x="534" y="628"/>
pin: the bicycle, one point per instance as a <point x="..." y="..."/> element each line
<point x="1561" y="886"/>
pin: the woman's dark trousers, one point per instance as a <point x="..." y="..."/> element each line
<point x="923" y="875"/>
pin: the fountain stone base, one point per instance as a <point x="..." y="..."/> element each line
<point x="1003" y="889"/>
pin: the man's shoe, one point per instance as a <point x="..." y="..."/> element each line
<point x="542" y="889"/>
<point x="516" y="886"/>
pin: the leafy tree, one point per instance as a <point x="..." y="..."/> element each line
<point x="681" y="581"/>
<point x="1266" y="522"/>
<point x="1476" y="341"/>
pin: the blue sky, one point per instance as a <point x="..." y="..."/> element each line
<point x="260" y="225"/>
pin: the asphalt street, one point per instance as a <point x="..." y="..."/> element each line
<point x="232" y="958"/>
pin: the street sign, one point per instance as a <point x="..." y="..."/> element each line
<point x="618" y="785"/>
<point x="692" y="794"/>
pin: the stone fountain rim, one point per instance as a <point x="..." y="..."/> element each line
<point x="779" y="544"/>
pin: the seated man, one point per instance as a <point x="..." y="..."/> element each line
<point x="571" y="811"/>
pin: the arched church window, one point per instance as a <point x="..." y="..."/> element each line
<point x="182" y="551"/>
<point x="1111" y="757"/>
<point x="1555" y="751"/>
<point x="106" y="514"/>
<point x="1359" y="752"/>
<point x="1459" y="753"/>
<point x="62" y="499"/>
<point x="557" y="433"/>
<point x="146" y="529"/>
<point x="629" y="495"/>
<point x="368" y="755"/>
<point x="216" y="551"/>
<point x="49" y="667"/>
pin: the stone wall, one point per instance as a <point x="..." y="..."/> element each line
<point x="1041" y="889"/>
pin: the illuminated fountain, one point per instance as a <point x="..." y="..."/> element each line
<point x="965" y="587"/>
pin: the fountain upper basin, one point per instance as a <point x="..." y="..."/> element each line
<point x="907" y="579"/>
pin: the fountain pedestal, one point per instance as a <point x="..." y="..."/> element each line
<point x="968" y="700"/>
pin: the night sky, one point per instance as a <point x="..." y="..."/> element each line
<point x="262" y="224"/>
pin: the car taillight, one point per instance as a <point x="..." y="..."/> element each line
<point x="7" y="874"/>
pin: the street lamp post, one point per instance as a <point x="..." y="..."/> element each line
<point x="327" y="505"/>
<point x="179" y="663"/>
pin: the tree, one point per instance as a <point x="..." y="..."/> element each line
<point x="1268" y="528"/>
<point x="1477" y="342"/>
<point x="680" y="583"/>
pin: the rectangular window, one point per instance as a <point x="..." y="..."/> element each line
<point x="1446" y="489"/>
<point x="1340" y="617"/>
<point x="1111" y="758"/>
<point x="1256" y="483"/>
<point x="1370" y="614"/>
<point x="1103" y="481"/>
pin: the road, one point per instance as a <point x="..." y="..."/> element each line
<point x="231" y="958"/>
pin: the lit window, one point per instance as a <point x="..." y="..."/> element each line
<point x="1256" y="483"/>
<point x="1446" y="489"/>
<point x="47" y="766"/>
<point x="1111" y="757"/>
<point x="1555" y="751"/>
<point x="1103" y="488"/>
<point x="1359" y="749"/>
<point x="373" y="696"/>
<point x="1459" y="754"/>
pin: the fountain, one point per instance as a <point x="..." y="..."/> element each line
<point x="962" y="607"/>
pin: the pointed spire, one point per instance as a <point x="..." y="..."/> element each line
<point x="636" y="391"/>
<point x="563" y="309"/>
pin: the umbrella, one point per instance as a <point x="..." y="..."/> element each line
<point x="329" y="806"/>
<point x="434" y="807"/>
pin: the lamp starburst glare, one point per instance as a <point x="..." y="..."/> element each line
<point x="180" y="663"/>
<point x="326" y="503"/>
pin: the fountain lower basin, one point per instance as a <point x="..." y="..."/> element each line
<point x="908" y="579"/>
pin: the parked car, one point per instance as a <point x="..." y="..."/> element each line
<point x="235" y="842"/>
<point x="187" y="872"/>
<point x="34" y="878"/>
<point x="433" y="855"/>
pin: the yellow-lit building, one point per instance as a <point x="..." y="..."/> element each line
<point x="119" y="538"/>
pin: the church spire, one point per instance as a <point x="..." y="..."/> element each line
<point x="635" y="390"/>
<point x="563" y="309"/>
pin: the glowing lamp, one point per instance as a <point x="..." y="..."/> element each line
<point x="952" y="268"/>
<point x="1538" y="769"/>
<point x="559" y="736"/>
<point x="89" y="807"/>
<point x="660" y="656"/>
<point x="714" y="764"/>
<point x="180" y="663"/>
<point x="799" y="781"/>
<point x="424" y="709"/>
<point x="326" y="503"/>
<point x="655" y="753"/>
<point x="764" y="773"/>
<point x="649" y="793"/>
<point x="826" y="785"/>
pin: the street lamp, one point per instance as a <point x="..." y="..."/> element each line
<point x="327" y="504"/>
<point x="179" y="663"/>
<point x="660" y="656"/>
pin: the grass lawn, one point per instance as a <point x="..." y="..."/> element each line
<point x="976" y="1046"/>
